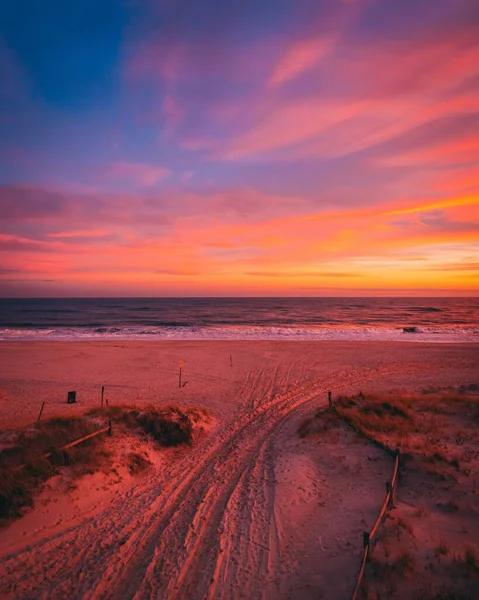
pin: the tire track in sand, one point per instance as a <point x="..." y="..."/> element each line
<point x="192" y="567"/>
<point x="208" y="529"/>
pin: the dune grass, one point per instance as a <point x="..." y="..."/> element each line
<point x="372" y="414"/>
<point x="420" y="426"/>
<point x="24" y="468"/>
<point x="320" y="423"/>
<point x="169" y="425"/>
<point x="18" y="483"/>
<point x="438" y="437"/>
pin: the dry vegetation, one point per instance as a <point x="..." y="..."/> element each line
<point x="319" y="424"/>
<point x="24" y="468"/>
<point x="168" y="425"/>
<point x="441" y="431"/>
<point x="425" y="548"/>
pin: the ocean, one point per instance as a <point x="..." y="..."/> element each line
<point x="393" y="319"/>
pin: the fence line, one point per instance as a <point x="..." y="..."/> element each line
<point x="87" y="437"/>
<point x="71" y="444"/>
<point x="391" y="490"/>
<point x="368" y="537"/>
<point x="361" y="573"/>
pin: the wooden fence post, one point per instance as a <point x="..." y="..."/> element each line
<point x="330" y="399"/>
<point x="40" y="414"/>
<point x="179" y="377"/>
<point x="109" y="428"/>
<point x="389" y="490"/>
<point x="102" y="393"/>
<point x="393" y="487"/>
<point x="365" y="539"/>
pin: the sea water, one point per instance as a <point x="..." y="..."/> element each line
<point x="393" y="319"/>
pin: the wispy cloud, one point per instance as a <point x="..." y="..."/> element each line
<point x="204" y="245"/>
<point x="144" y="175"/>
<point x="258" y="146"/>
<point x="299" y="58"/>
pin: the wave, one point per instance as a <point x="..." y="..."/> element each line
<point x="245" y="332"/>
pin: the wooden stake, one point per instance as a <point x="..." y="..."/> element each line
<point x="365" y="538"/>
<point x="391" y="499"/>
<point x="102" y="392"/>
<point x="109" y="428"/>
<point x="179" y="378"/>
<point x="330" y="399"/>
<point x="40" y="414"/>
<point x="390" y="492"/>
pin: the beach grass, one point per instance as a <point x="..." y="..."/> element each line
<point x="24" y="468"/>
<point x="437" y="434"/>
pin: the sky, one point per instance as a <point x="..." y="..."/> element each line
<point x="239" y="148"/>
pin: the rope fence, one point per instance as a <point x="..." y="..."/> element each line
<point x="368" y="537"/>
<point x="107" y="429"/>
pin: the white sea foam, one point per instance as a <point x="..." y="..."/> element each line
<point x="451" y="334"/>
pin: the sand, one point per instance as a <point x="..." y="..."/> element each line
<point x="252" y="510"/>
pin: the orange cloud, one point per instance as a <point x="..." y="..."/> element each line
<point x="398" y="245"/>
<point x="445" y="154"/>
<point x="471" y="201"/>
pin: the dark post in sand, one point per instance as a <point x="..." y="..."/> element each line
<point x="389" y="491"/>
<point x="71" y="397"/>
<point x="330" y="399"/>
<point x="40" y="414"/>
<point x="179" y="379"/>
<point x="102" y="393"/>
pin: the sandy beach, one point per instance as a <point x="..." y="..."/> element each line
<point x="251" y="510"/>
<point x="142" y="373"/>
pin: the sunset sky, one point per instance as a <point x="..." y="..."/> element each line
<point x="239" y="147"/>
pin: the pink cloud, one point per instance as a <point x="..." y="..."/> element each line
<point x="374" y="95"/>
<point x="299" y="58"/>
<point x="215" y="245"/>
<point x="145" y="175"/>
<point x="464" y="150"/>
<point x="291" y="123"/>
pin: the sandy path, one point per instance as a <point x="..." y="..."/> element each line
<point x="208" y="526"/>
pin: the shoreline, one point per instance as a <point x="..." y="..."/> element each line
<point x="287" y="340"/>
<point x="396" y="336"/>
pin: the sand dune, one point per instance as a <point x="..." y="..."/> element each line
<point x="251" y="511"/>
